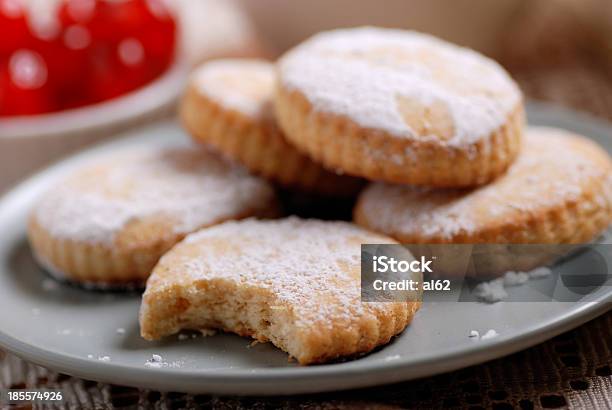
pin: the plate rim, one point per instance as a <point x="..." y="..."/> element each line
<point x="326" y="377"/>
<point x="242" y="382"/>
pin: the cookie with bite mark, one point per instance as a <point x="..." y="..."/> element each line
<point x="292" y="282"/>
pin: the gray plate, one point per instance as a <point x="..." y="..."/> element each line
<point x="69" y="329"/>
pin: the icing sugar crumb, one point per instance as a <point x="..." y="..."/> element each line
<point x="120" y="331"/>
<point x="392" y="358"/>
<point x="157" y="361"/>
<point x="246" y="86"/>
<point x="490" y="334"/>
<point x="104" y="358"/>
<point x="491" y="291"/>
<point x="49" y="285"/>
<point x="186" y="336"/>
<point x="187" y="187"/>
<point x="206" y="333"/>
<point x="364" y="73"/>
<point x="515" y="278"/>
<point x="90" y="356"/>
<point x="540" y="272"/>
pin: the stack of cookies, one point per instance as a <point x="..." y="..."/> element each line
<point x="441" y="129"/>
<point x="437" y="129"/>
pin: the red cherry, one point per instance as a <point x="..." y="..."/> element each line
<point x="14" y="30"/>
<point x="27" y="69"/>
<point x="114" y="20"/>
<point x="106" y="79"/>
<point x="68" y="72"/>
<point x="159" y="9"/>
<point x="77" y="12"/>
<point x="119" y="70"/>
<point x="91" y="51"/>
<point x="144" y="39"/>
<point x="23" y="86"/>
<point x="159" y="40"/>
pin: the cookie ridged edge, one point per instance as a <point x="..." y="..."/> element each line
<point x="339" y="143"/>
<point x="574" y="221"/>
<point x="319" y="347"/>
<point x="259" y="147"/>
<point x="127" y="262"/>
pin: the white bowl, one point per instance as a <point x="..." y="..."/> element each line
<point x="29" y="142"/>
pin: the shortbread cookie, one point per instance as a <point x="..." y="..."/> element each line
<point x="111" y="220"/>
<point x="400" y="107"/>
<point x="558" y="191"/>
<point x="228" y="105"/>
<point x="293" y="282"/>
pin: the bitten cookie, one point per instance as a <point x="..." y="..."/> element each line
<point x="399" y="106"/>
<point x="228" y="105"/>
<point x="295" y="283"/>
<point x="558" y="191"/>
<point x="110" y="221"/>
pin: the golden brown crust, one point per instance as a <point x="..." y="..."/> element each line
<point x="259" y="145"/>
<point x="559" y="191"/>
<point x="213" y="280"/>
<point x="169" y="311"/>
<point x="110" y="220"/>
<point x="128" y="261"/>
<point x="339" y="143"/>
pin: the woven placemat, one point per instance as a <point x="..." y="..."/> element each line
<point x="573" y="370"/>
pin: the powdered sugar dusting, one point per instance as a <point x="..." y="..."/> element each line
<point x="157" y="361"/>
<point x="490" y="334"/>
<point x="554" y="168"/>
<point x="491" y="291"/>
<point x="515" y="278"/>
<point x="243" y="85"/>
<point x="310" y="267"/>
<point x="495" y="290"/>
<point x="363" y="73"/>
<point x="541" y="272"/>
<point x="188" y="186"/>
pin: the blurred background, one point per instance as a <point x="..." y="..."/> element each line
<point x="559" y="50"/>
<point x="73" y="72"/>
